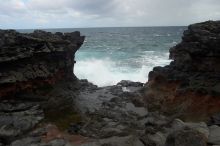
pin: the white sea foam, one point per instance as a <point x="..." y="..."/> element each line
<point x="157" y="35"/>
<point x="105" y="72"/>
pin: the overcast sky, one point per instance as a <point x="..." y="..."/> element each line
<point x="105" y="13"/>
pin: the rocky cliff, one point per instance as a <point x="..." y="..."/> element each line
<point x="190" y="85"/>
<point x="29" y="61"/>
<point x="36" y="78"/>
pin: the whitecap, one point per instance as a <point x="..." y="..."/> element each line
<point x="124" y="89"/>
<point x="149" y="51"/>
<point x="157" y="35"/>
<point x="105" y="72"/>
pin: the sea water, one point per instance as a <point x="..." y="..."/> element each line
<point x="110" y="55"/>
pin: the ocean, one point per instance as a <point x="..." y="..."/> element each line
<point x="110" y="55"/>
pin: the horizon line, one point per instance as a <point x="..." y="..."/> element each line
<point x="93" y="27"/>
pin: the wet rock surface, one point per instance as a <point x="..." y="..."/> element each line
<point x="110" y="113"/>
<point x="18" y="118"/>
<point x="108" y="118"/>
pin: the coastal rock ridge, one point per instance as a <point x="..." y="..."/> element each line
<point x="190" y="84"/>
<point x="36" y="79"/>
<point x="28" y="61"/>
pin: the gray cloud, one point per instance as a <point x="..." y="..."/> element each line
<point x="98" y="7"/>
<point x="95" y="13"/>
<point x="12" y="7"/>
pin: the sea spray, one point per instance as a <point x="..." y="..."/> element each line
<point x="114" y="54"/>
<point x="105" y="72"/>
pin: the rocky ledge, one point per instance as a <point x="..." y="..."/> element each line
<point x="36" y="78"/>
<point x="29" y="61"/>
<point x="190" y="85"/>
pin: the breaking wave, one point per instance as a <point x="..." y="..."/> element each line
<point x="105" y="72"/>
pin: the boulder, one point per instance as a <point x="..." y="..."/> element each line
<point x="201" y="127"/>
<point x="127" y="83"/>
<point x="214" y="136"/>
<point x="157" y="139"/>
<point x="26" y="142"/>
<point x="16" y="123"/>
<point x="214" y="120"/>
<point x="186" y="137"/>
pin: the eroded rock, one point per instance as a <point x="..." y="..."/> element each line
<point x="186" y="137"/>
<point x="36" y="78"/>
<point x="214" y="137"/>
<point x="189" y="85"/>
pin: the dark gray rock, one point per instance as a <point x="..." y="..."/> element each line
<point x="18" y="118"/>
<point x="36" y="77"/>
<point x="157" y="139"/>
<point x="29" y="141"/>
<point x="186" y="137"/>
<point x="38" y="132"/>
<point x="74" y="128"/>
<point x="36" y="59"/>
<point x="191" y="80"/>
<point x="201" y="127"/>
<point x="156" y="120"/>
<point x="109" y="114"/>
<point x="57" y="142"/>
<point x="127" y="83"/>
<point x="214" y="137"/>
<point x="214" y="120"/>
<point x="121" y="141"/>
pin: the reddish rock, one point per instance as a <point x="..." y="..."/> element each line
<point x="36" y="79"/>
<point x="28" y="61"/>
<point x="190" y="85"/>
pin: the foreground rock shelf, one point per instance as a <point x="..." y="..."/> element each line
<point x="117" y="117"/>
<point x="42" y="103"/>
